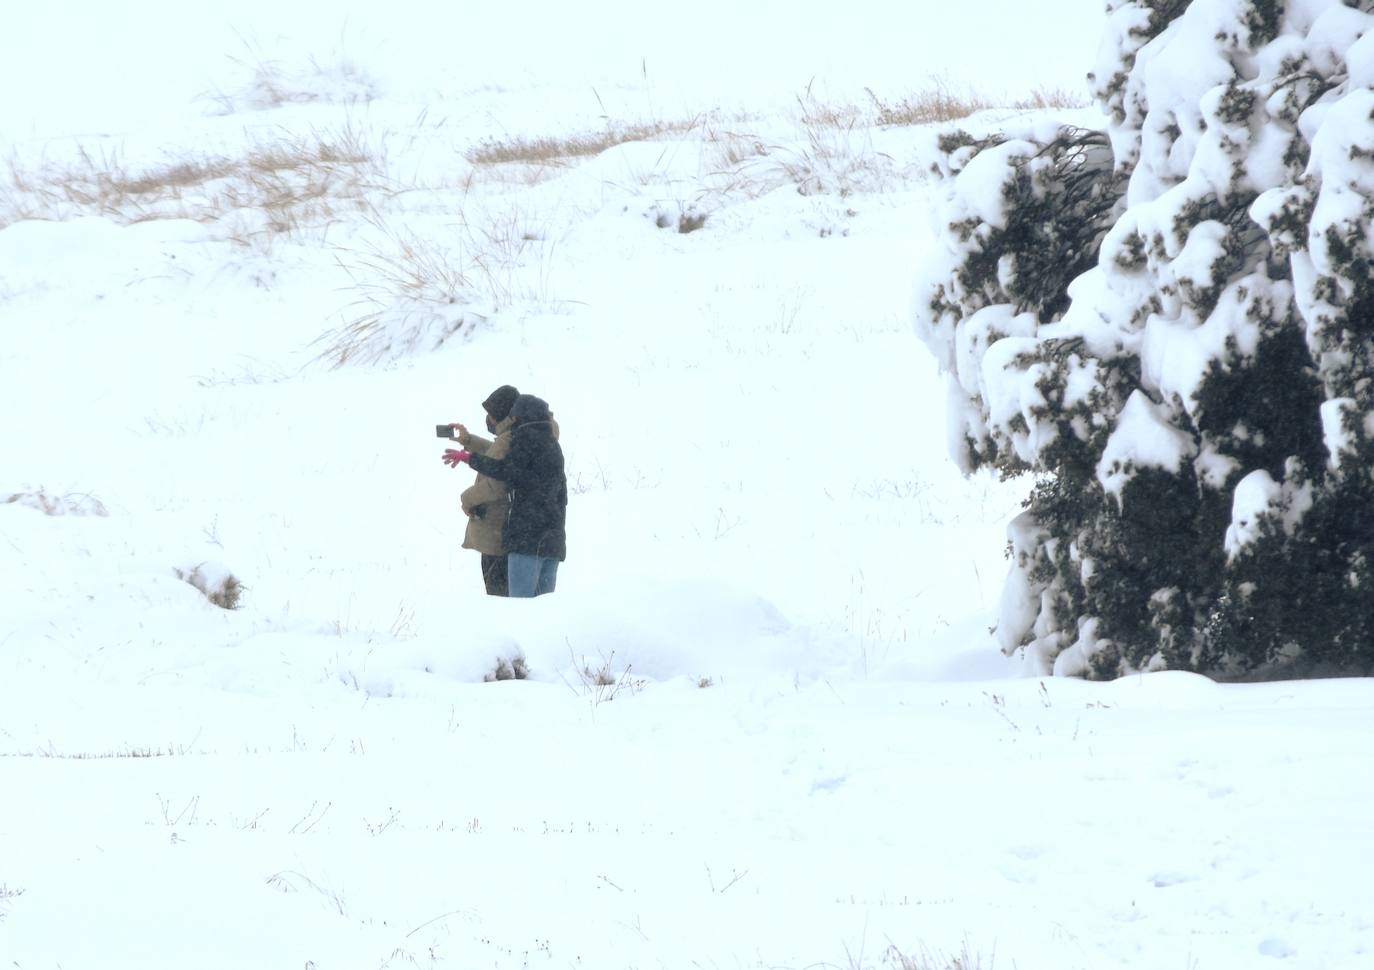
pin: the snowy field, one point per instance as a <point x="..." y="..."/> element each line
<point x="765" y="724"/>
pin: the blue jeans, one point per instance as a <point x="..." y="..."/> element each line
<point x="530" y="575"/>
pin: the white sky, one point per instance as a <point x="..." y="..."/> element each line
<point x="90" y="66"/>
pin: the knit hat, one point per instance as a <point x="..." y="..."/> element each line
<point x="527" y="407"/>
<point x="499" y="402"/>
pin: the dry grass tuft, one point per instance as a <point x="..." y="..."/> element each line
<point x="835" y="152"/>
<point x="601" y="682"/>
<point x="928" y="959"/>
<point x="271" y="83"/>
<point x="71" y="503"/>
<point x="127" y="751"/>
<point x="6" y="896"/>
<point x="729" y="149"/>
<point x="931" y="106"/>
<point x="413" y="295"/>
<point x="414" y="292"/>
<point x="556" y="151"/>
<point x="1043" y="99"/>
<point x="830" y="160"/>
<point x="940" y="103"/>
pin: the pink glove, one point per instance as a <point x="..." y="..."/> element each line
<point x="454" y="457"/>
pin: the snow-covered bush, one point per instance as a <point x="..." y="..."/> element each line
<point x="220" y="586"/>
<point x="516" y="668"/>
<point x="1170" y="323"/>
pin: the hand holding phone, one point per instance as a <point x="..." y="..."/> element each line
<point x="443" y="430"/>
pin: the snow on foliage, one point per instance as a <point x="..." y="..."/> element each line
<point x="1170" y="322"/>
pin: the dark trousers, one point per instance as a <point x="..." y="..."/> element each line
<point x="494" y="574"/>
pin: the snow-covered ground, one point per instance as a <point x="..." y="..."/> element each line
<point x="765" y="724"/>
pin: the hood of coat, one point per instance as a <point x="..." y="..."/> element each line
<point x="533" y="415"/>
<point x="548" y="427"/>
<point x="499" y="402"/>
<point x="529" y="409"/>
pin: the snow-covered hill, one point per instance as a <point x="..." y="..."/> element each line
<point x="765" y="724"/>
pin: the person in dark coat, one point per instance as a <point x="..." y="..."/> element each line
<point x="534" y="533"/>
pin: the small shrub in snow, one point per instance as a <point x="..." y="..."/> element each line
<point x="684" y="217"/>
<point x="516" y="668"/>
<point x="72" y="503"/>
<point x="1168" y="323"/>
<point x="220" y="586"/>
<point x="272" y="83"/>
<point x="728" y="150"/>
<point x="414" y="294"/>
<point x="834" y="160"/>
<point x="600" y="676"/>
<point x="601" y="682"/>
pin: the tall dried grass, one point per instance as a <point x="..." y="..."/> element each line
<point x="293" y="180"/>
<point x="558" y="150"/>
<point x="415" y="292"/>
<point x="940" y="103"/>
<point x="411" y="295"/>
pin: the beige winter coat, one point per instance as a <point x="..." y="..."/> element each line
<point x="489" y="495"/>
<point x="487" y="501"/>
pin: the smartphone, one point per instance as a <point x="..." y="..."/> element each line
<point x="444" y="430"/>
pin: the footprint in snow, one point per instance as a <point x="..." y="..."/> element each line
<point x="1277" y="948"/>
<point x="1019" y="873"/>
<point x="1163" y="880"/>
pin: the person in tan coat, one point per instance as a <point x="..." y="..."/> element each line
<point x="535" y="536"/>
<point x="486" y="502"/>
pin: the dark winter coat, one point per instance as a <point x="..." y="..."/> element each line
<point x="486" y="502"/>
<point x="533" y="471"/>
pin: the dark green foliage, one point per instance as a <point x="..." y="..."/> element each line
<point x="1263" y="18"/>
<point x="1312" y="590"/>
<point x="1061" y="209"/>
<point x="1163" y="13"/>
<point x="1159" y="546"/>
<point x="1265" y="410"/>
